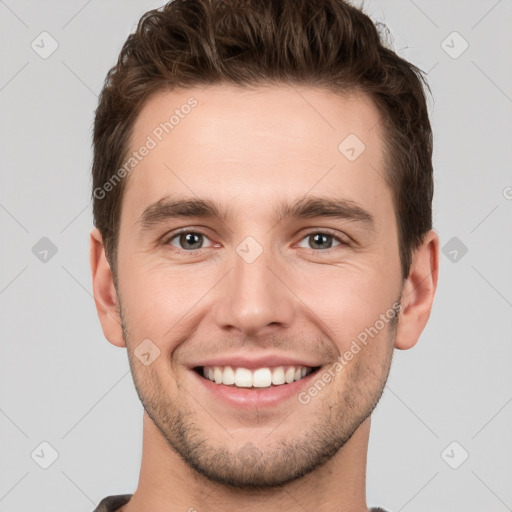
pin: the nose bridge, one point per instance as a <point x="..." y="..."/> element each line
<point x="252" y="297"/>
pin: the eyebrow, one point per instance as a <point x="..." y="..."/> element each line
<point x="307" y="207"/>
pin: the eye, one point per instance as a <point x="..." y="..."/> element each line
<point x="320" y="240"/>
<point x="194" y="240"/>
<point x="187" y="240"/>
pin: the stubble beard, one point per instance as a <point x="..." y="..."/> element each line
<point x="251" y="467"/>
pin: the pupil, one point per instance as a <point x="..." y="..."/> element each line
<point x="320" y="238"/>
<point x="189" y="240"/>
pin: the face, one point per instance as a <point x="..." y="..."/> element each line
<point x="258" y="237"/>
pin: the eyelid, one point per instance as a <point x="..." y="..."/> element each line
<point x="166" y="239"/>
<point x="342" y="238"/>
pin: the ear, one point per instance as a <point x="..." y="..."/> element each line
<point x="105" y="295"/>
<point x="418" y="292"/>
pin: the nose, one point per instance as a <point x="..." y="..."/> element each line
<point x="254" y="298"/>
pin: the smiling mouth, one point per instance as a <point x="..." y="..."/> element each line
<point x="259" y="378"/>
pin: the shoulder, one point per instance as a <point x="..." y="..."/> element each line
<point x="112" y="503"/>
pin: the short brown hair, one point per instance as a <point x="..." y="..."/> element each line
<point x="319" y="43"/>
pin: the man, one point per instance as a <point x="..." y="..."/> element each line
<point x="262" y="185"/>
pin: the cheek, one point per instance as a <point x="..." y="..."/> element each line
<point x="348" y="298"/>
<point x="159" y="301"/>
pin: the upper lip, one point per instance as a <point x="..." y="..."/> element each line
<point x="263" y="361"/>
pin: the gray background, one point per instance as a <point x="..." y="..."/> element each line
<point x="62" y="383"/>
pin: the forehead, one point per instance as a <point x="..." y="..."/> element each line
<point x="254" y="143"/>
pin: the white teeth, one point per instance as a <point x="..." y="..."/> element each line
<point x="229" y="376"/>
<point x="217" y="375"/>
<point x="278" y="376"/>
<point x="262" y="378"/>
<point x="243" y="378"/>
<point x="289" y="375"/>
<point x="259" y="378"/>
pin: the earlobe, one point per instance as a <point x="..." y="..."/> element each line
<point x="418" y="292"/>
<point x="105" y="294"/>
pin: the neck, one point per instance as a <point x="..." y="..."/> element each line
<point x="168" y="484"/>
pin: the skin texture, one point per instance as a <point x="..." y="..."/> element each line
<point x="249" y="150"/>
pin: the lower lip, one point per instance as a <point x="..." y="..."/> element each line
<point x="252" y="398"/>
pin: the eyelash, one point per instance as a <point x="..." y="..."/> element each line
<point x="168" y="239"/>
